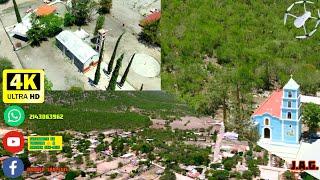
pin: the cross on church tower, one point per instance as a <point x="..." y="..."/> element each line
<point x="291" y="76"/>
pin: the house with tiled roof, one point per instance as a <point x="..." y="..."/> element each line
<point x="151" y="18"/>
<point x="278" y="119"/>
<point x="45" y="10"/>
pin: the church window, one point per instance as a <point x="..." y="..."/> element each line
<point x="290" y="94"/>
<point x="290" y="126"/>
<point x="266" y="122"/>
<point x="289" y="115"/>
<point x="289" y="104"/>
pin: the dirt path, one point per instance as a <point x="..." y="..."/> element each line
<point x="218" y="144"/>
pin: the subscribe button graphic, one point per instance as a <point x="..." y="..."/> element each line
<point x="23" y="86"/>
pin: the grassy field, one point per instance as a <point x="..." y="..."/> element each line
<point x="98" y="110"/>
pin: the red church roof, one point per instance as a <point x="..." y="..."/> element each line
<point x="153" y="17"/>
<point x="272" y="105"/>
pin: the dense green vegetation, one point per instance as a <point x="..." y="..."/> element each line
<point x="44" y="27"/>
<point x="99" y="24"/>
<point x="216" y="53"/>
<point x="105" y="6"/>
<point x="311" y="116"/>
<point x="86" y="111"/>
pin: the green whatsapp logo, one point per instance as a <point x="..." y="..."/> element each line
<point x="14" y="115"/>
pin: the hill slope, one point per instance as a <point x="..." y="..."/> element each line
<point x="97" y="110"/>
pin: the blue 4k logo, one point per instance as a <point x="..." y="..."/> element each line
<point x="13" y="167"/>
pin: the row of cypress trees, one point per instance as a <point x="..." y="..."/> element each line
<point x="115" y="72"/>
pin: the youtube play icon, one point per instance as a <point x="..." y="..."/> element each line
<point x="13" y="142"/>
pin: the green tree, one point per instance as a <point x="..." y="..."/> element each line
<point x="63" y="165"/>
<point x="99" y="24"/>
<point x="220" y="175"/>
<point x="288" y="175"/>
<point x="44" y="27"/>
<point x="151" y="32"/>
<point x="47" y="84"/>
<point x="35" y="35"/>
<point x="228" y="164"/>
<point x="82" y="11"/>
<point x="79" y="159"/>
<point x="168" y="175"/>
<point x="25" y="161"/>
<point x="17" y="11"/>
<point x="311" y="116"/>
<point x="247" y="174"/>
<point x="98" y="74"/>
<point x="105" y="6"/>
<point x="4" y="64"/>
<point x="68" y="20"/>
<point x="110" y="65"/>
<point x="115" y="74"/>
<point x="124" y="77"/>
<point x="71" y="175"/>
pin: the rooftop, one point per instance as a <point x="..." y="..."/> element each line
<point x="75" y="45"/>
<point x="153" y="17"/>
<point x="45" y="10"/>
<point x="291" y="84"/>
<point x="272" y="105"/>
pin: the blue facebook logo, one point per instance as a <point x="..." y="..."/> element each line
<point x="13" y="167"/>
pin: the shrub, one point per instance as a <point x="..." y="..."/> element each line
<point x="99" y="24"/>
<point x="68" y="20"/>
<point x="3" y="1"/>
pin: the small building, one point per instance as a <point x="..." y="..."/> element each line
<point x="80" y="53"/>
<point x="128" y="155"/>
<point x="230" y="135"/>
<point x="45" y="10"/>
<point x="160" y="172"/>
<point x="151" y="18"/>
<point x="91" y="170"/>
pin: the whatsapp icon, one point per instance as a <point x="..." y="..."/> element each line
<point x="14" y="115"/>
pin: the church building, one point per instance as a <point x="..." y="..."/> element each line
<point x="278" y="119"/>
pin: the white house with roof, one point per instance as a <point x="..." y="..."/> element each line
<point x="80" y="53"/>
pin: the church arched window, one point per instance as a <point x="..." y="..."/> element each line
<point x="290" y="94"/>
<point x="289" y="115"/>
<point x="289" y="104"/>
<point x="266" y="122"/>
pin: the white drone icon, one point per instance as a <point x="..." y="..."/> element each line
<point x="301" y="20"/>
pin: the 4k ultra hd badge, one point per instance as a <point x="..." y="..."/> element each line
<point x="23" y="86"/>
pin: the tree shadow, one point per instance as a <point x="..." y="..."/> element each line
<point x="145" y="40"/>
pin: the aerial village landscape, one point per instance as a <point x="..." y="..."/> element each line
<point x="69" y="56"/>
<point x="153" y="136"/>
<point x="188" y="147"/>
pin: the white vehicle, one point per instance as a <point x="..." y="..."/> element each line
<point x="301" y="20"/>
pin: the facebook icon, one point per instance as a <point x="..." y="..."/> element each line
<point x="13" y="167"/>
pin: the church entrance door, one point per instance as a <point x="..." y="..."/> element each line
<point x="266" y="133"/>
